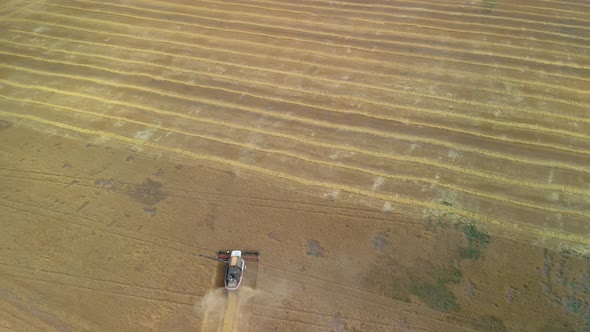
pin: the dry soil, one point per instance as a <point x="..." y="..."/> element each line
<point x="400" y="165"/>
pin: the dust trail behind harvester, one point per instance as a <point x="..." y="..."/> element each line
<point x="231" y="319"/>
<point x="212" y="308"/>
<point x="228" y="312"/>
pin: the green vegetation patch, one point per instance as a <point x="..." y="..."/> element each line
<point x="437" y="296"/>
<point x="579" y="308"/>
<point x="454" y="239"/>
<point x="451" y="275"/>
<point x="476" y="241"/>
<point x="427" y="282"/>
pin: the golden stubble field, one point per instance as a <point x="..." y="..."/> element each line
<point x="401" y="165"/>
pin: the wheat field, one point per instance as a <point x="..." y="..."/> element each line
<point x="336" y="133"/>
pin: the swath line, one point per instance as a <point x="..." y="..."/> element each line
<point x="529" y="229"/>
<point x="311" y="106"/>
<point x="424" y="161"/>
<point x="350" y="70"/>
<point x="337" y="146"/>
<point x="565" y="3"/>
<point x="387" y="13"/>
<point x="518" y="5"/>
<point x="452" y="13"/>
<point x="357" y="59"/>
<point x="424" y="18"/>
<point x="468" y="6"/>
<point x="500" y="10"/>
<point x="313" y="160"/>
<point x="331" y="35"/>
<point x="333" y="44"/>
<point x="311" y="52"/>
<point x="379" y="22"/>
<point x="495" y="10"/>
<point x="310" y="121"/>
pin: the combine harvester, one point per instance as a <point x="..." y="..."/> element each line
<point x="235" y="268"/>
<point x="235" y="261"/>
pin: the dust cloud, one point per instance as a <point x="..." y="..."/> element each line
<point x="214" y="301"/>
<point x="230" y="312"/>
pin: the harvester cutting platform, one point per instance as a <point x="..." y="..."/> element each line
<point x="235" y="261"/>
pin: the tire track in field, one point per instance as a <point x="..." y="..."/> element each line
<point x="247" y="201"/>
<point x="99" y="285"/>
